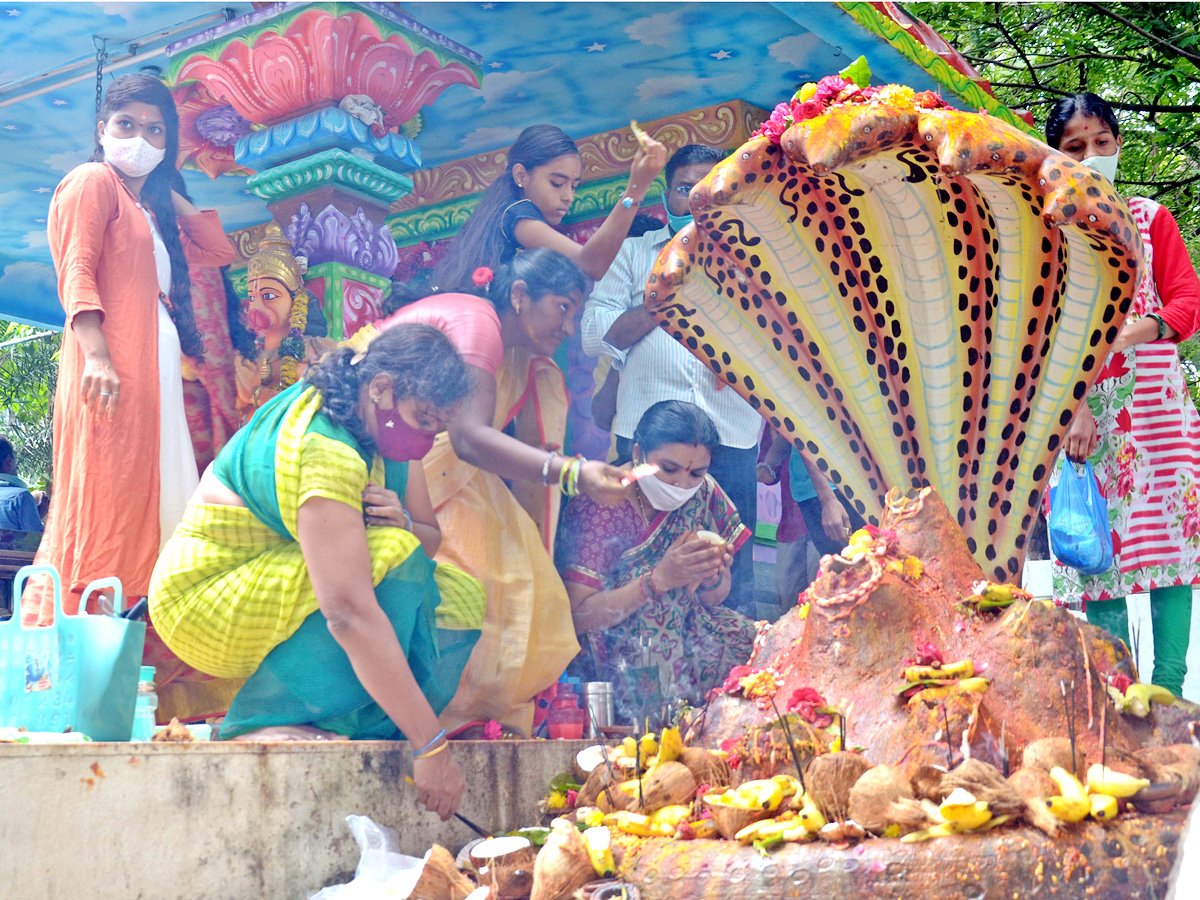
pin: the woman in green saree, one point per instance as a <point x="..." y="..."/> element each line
<point x="303" y="562"/>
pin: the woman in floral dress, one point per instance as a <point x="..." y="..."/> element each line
<point x="645" y="588"/>
<point x="1139" y="426"/>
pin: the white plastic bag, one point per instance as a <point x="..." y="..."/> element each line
<point x="383" y="872"/>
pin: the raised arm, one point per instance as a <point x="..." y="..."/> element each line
<point x="333" y="540"/>
<point x="595" y="256"/>
<point x="202" y="234"/>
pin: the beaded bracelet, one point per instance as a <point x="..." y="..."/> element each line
<point x="437" y="737"/>
<point x="546" y="467"/>
<point x="434" y="752"/>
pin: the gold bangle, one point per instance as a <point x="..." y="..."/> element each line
<point x="435" y="751"/>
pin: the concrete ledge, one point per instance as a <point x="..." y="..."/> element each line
<point x="235" y="821"/>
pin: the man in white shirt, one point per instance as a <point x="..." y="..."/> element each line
<point x="653" y="366"/>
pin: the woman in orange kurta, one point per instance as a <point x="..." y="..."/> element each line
<point x="117" y="233"/>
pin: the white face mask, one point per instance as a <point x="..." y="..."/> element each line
<point x="1105" y="165"/>
<point x="666" y="497"/>
<point x="134" y="155"/>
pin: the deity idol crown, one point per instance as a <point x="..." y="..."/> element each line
<point x="274" y="259"/>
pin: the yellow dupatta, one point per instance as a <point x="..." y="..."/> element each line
<point x="505" y="539"/>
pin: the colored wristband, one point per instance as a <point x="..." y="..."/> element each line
<point x="1162" y="325"/>
<point x="441" y="734"/>
<point x="434" y="752"/>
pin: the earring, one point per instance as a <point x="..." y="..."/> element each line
<point x="517" y="308"/>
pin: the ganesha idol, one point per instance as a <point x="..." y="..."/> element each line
<point x="286" y="320"/>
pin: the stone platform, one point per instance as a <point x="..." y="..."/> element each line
<point x="266" y="822"/>
<point x="230" y="821"/>
<point x="1128" y="859"/>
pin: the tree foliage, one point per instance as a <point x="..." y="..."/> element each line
<point x="28" y="374"/>
<point x="1144" y="58"/>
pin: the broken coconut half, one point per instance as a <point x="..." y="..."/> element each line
<point x="506" y="864"/>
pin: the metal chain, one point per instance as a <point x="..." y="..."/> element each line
<point x="101" y="45"/>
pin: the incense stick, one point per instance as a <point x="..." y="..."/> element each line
<point x="946" y="734"/>
<point x="791" y="743"/>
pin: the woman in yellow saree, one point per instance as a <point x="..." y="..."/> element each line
<point x="495" y="478"/>
<point x="302" y="563"/>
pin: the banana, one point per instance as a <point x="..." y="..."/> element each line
<point x="1103" y="780"/>
<point x="962" y="809"/>
<point x="670" y="815"/>
<point x="599" y="849"/>
<point x="670" y="745"/>
<point x="762" y="794"/>
<point x="974" y="685"/>
<point x="797" y="833"/>
<point x="811" y="816"/>
<point x="964" y="668"/>
<point x="943" y="830"/>
<point x="1072" y="804"/>
<point x="648" y="746"/>
<point x="790" y="785"/>
<point x="629" y="747"/>
<point x="1104" y="807"/>
<point x="641" y="826"/>
<point x="705" y="829"/>
<point x="760" y="830"/>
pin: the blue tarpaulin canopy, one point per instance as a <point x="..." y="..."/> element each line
<point x="587" y="67"/>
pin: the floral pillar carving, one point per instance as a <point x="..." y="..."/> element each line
<point x="322" y="102"/>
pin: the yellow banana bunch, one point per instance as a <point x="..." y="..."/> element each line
<point x="638" y="825"/>
<point x="1071" y="804"/>
<point x="963" y="810"/>
<point x="599" y="849"/>
<point x="790" y="785"/>
<point x="765" y="794"/>
<point x="1103" y="780"/>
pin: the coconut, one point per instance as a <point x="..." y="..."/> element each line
<point x="1034" y="786"/>
<point x="732" y="819"/>
<point x="506" y="864"/>
<point x="881" y="797"/>
<point x="589" y="759"/>
<point x="563" y="865"/>
<point x="667" y="784"/>
<point x="1046" y="753"/>
<point x="706" y="767"/>
<point x="986" y="783"/>
<point x="440" y="878"/>
<point x="618" y="797"/>
<point x="830" y="777"/>
<point x="925" y="780"/>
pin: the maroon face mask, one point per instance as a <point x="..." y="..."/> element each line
<point x="399" y="441"/>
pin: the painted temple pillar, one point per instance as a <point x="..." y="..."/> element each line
<point x="321" y="102"/>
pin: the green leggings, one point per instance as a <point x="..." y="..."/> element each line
<point x="1171" y="621"/>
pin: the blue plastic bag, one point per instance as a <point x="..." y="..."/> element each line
<point x="79" y="673"/>
<point x="1080" y="536"/>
